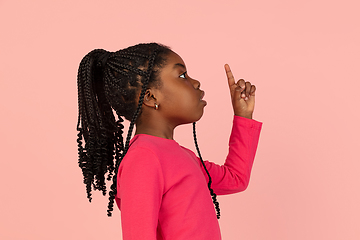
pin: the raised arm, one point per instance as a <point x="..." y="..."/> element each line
<point x="234" y="175"/>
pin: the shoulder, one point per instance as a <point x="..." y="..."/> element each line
<point x="147" y="148"/>
<point x="139" y="164"/>
<point x="188" y="151"/>
<point x="140" y="155"/>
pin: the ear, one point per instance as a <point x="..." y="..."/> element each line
<point x="149" y="98"/>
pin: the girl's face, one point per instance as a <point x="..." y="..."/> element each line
<point x="179" y="97"/>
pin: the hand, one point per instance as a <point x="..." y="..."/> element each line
<point x="242" y="95"/>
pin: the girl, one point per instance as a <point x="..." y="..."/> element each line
<point x="163" y="190"/>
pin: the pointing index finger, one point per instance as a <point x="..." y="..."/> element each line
<point x="229" y="75"/>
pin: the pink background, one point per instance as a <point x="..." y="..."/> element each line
<point x="303" y="56"/>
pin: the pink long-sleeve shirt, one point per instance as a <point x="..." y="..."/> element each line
<point x="162" y="187"/>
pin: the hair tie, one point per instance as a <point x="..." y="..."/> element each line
<point x="103" y="58"/>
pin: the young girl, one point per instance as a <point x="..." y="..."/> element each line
<point x="164" y="191"/>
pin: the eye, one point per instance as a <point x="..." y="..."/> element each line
<point x="183" y="75"/>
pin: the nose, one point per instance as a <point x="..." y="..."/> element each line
<point x="196" y="84"/>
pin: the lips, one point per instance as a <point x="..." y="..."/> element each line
<point x="202" y="95"/>
<point x="201" y="98"/>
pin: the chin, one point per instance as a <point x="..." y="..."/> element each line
<point x="197" y="119"/>
<point x="190" y="119"/>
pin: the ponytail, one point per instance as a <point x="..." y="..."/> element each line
<point x="108" y="82"/>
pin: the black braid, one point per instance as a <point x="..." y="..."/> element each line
<point x="113" y="191"/>
<point x="109" y="82"/>
<point x="213" y="195"/>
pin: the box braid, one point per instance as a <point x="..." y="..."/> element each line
<point x="109" y="82"/>
<point x="147" y="75"/>
<point x="213" y="195"/>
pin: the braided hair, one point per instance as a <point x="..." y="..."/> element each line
<point x="109" y="83"/>
<point x="213" y="195"/>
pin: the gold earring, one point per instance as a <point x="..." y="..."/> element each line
<point x="156" y="106"/>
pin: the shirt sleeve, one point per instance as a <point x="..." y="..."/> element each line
<point x="234" y="175"/>
<point x="140" y="189"/>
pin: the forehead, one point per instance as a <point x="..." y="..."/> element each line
<point x="174" y="60"/>
<point x="174" y="65"/>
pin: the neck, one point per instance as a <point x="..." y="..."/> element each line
<point x="155" y="128"/>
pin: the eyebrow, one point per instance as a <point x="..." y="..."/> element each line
<point x="179" y="65"/>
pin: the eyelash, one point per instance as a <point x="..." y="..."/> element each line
<point x="184" y="75"/>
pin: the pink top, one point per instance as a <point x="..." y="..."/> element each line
<point x="162" y="187"/>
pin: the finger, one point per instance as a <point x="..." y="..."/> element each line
<point x="241" y="84"/>
<point x="247" y="89"/>
<point x="237" y="93"/>
<point x="253" y="89"/>
<point x="251" y="97"/>
<point x="229" y="75"/>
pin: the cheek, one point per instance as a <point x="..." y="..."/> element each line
<point x="189" y="101"/>
<point x="185" y="99"/>
<point x="180" y="97"/>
